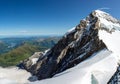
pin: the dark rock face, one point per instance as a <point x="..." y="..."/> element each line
<point x="72" y="49"/>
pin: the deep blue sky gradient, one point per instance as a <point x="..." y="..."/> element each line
<point x="45" y="17"/>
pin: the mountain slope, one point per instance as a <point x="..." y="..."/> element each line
<point x="74" y="47"/>
<point x="87" y="54"/>
<point x="101" y="65"/>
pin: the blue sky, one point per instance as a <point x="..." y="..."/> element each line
<point x="46" y="17"/>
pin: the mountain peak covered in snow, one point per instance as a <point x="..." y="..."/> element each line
<point x="92" y="42"/>
<point x="106" y="20"/>
<point x="101" y="19"/>
<point x="105" y="15"/>
<point x="100" y="13"/>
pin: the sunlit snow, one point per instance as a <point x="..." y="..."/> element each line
<point x="102" y="65"/>
<point x="13" y="75"/>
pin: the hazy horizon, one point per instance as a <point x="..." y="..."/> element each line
<point x="26" y="36"/>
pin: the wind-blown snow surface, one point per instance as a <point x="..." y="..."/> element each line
<point x="101" y="65"/>
<point x="13" y="75"/>
<point x="112" y="41"/>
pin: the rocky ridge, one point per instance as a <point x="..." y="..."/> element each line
<point x="76" y="46"/>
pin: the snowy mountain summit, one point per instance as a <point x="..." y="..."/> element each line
<point x="87" y="54"/>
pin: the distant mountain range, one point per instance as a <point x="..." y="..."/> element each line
<point x="13" y="50"/>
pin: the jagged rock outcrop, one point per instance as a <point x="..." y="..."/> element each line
<point x="29" y="63"/>
<point x="76" y="46"/>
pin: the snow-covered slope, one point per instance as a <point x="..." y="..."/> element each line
<point x="112" y="41"/>
<point x="101" y="65"/>
<point x="13" y="75"/>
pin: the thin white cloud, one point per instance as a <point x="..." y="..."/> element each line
<point x="104" y="8"/>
